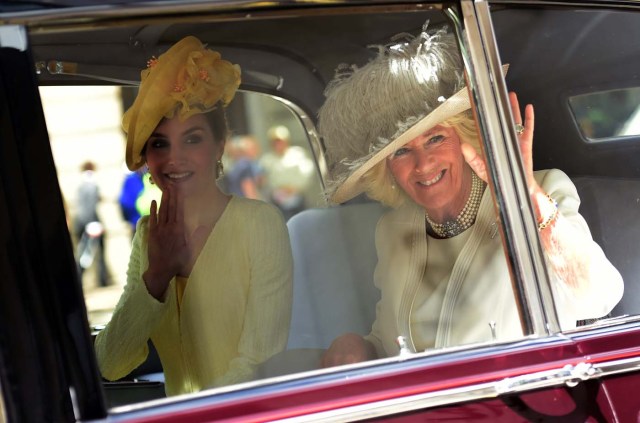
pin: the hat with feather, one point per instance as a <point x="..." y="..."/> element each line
<point x="412" y="85"/>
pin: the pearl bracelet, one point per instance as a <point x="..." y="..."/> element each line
<point x="545" y="223"/>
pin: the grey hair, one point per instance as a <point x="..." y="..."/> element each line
<point x="367" y="107"/>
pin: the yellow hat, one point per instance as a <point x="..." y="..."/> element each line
<point x="185" y="80"/>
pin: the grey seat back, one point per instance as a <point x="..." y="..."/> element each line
<point x="611" y="207"/>
<point x="334" y="259"/>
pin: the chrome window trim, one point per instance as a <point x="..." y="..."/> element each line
<point x="96" y="16"/>
<point x="526" y="260"/>
<point x="569" y="375"/>
<point x="381" y="368"/>
<point x="608" y="4"/>
<point x="3" y="408"/>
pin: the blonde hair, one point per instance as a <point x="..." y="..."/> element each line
<point x="379" y="182"/>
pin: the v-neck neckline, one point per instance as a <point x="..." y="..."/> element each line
<point x="180" y="297"/>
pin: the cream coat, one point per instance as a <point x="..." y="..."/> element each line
<point x="479" y="290"/>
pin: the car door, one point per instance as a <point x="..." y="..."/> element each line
<point x="48" y="367"/>
<point x="585" y="126"/>
<point x="48" y="370"/>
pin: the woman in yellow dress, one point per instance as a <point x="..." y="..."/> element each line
<point x="209" y="278"/>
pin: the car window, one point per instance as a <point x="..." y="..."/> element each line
<point x="581" y="107"/>
<point x="84" y="124"/>
<point x="337" y="252"/>
<point x="607" y="114"/>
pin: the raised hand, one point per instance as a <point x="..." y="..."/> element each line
<point x="169" y="251"/>
<point x="525" y="139"/>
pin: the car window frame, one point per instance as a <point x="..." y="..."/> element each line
<point x="490" y="48"/>
<point x="527" y="298"/>
<point x="42" y="300"/>
<point x="511" y="218"/>
<point x="517" y="223"/>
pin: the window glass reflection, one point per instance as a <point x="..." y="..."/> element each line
<point x="607" y="114"/>
<point x="104" y="200"/>
<point x="124" y="196"/>
<point x="588" y="101"/>
<point x="424" y="253"/>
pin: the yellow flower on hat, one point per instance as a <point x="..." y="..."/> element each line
<point x="186" y="80"/>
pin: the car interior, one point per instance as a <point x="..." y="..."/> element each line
<point x="292" y="60"/>
<point x="598" y="56"/>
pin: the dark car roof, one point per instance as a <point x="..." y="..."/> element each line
<point x="273" y="62"/>
<point x="298" y="67"/>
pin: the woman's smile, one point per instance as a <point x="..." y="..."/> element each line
<point x="433" y="181"/>
<point x="178" y="177"/>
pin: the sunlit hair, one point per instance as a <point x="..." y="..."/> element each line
<point x="379" y="182"/>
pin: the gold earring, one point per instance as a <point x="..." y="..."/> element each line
<point x="219" y="169"/>
<point x="151" y="180"/>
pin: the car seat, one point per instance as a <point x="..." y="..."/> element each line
<point x="334" y="258"/>
<point x="611" y="207"/>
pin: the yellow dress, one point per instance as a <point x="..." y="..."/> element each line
<point x="233" y="314"/>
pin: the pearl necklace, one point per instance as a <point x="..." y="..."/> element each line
<point x="467" y="216"/>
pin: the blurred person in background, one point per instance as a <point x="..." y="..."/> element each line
<point x="136" y="196"/>
<point x="132" y="188"/>
<point x="288" y="172"/>
<point x="87" y="227"/>
<point x="245" y="176"/>
<point x="150" y="192"/>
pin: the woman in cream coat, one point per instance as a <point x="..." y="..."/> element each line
<point x="400" y="129"/>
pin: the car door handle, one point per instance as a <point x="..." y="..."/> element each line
<point x="570" y="375"/>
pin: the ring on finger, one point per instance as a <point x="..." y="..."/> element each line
<point x="519" y="129"/>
